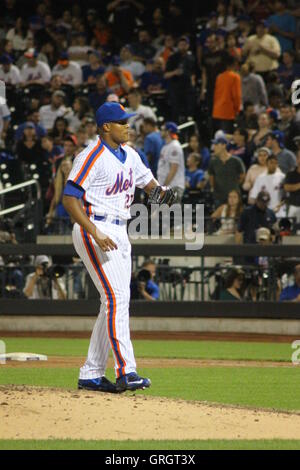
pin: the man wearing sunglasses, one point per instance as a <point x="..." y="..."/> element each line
<point x="104" y="177"/>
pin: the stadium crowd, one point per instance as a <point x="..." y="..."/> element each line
<point x="227" y="71"/>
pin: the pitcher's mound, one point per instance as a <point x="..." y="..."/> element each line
<point x="41" y="413"/>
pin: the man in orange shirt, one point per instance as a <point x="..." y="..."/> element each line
<point x="119" y="80"/>
<point x="227" y="98"/>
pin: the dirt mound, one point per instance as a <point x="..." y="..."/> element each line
<point x="157" y="363"/>
<point x="37" y="413"/>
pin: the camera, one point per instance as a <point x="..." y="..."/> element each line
<point x="143" y="275"/>
<point x="53" y="272"/>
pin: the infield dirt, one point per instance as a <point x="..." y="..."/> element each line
<point x="41" y="413"/>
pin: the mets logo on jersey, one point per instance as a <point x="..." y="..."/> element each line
<point x="120" y="184"/>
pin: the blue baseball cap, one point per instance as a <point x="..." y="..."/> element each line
<point x="279" y="136"/>
<point x="172" y="127"/>
<point x="220" y="140"/>
<point x="111" y="112"/>
<point x="115" y="60"/>
<point x="6" y="59"/>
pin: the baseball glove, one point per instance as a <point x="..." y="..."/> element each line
<point x="162" y="195"/>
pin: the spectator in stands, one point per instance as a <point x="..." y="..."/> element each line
<point x="56" y="83"/>
<point x="52" y="153"/>
<point x="9" y="73"/>
<point x="286" y="158"/>
<point x="49" y="50"/>
<point x="238" y="147"/>
<point x="38" y="285"/>
<point x="177" y="20"/>
<point x="125" y="14"/>
<point x="213" y="64"/>
<point x="292" y="293"/>
<point x="82" y="138"/>
<point x="141" y="111"/>
<point x="244" y="29"/>
<point x="70" y="146"/>
<point x="229" y="214"/>
<point x="128" y="62"/>
<point x="98" y="97"/>
<point x="257" y="169"/>
<point x="289" y="70"/>
<point x="153" y="80"/>
<point x="226" y="172"/>
<point x="232" y="48"/>
<point x="247" y="118"/>
<point x="225" y="19"/>
<point x="264" y="129"/>
<point x="95" y="68"/>
<point x="69" y="70"/>
<point x="34" y="117"/>
<point x="101" y="31"/>
<point x="262" y="49"/>
<point x="283" y="25"/>
<point x="79" y="109"/>
<point x="180" y="73"/>
<point x="227" y="98"/>
<point x="60" y="130"/>
<point x="133" y="142"/>
<point x="194" y="176"/>
<point x="195" y="145"/>
<point x="171" y="169"/>
<point x="148" y="290"/>
<point x="292" y="187"/>
<point x="272" y="182"/>
<point x="5" y="119"/>
<point x="254" y="217"/>
<point x="119" y="80"/>
<point x="19" y="35"/>
<point x="57" y="209"/>
<point x="153" y="143"/>
<point x="50" y="112"/>
<point x="79" y="49"/>
<point x="253" y="87"/>
<point x="29" y="149"/>
<point x="233" y="285"/>
<point x="289" y="125"/>
<point x="212" y="28"/>
<point x="166" y="50"/>
<point x="143" y="49"/>
<point x="91" y="128"/>
<point x="34" y="72"/>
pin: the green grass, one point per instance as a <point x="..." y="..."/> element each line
<point x="150" y="445"/>
<point x="275" y="388"/>
<point x="166" y="349"/>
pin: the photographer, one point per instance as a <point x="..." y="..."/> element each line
<point x="143" y="285"/>
<point x="40" y="285"/>
<point x="292" y="293"/>
<point x="233" y="285"/>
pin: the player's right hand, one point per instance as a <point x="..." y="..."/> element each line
<point x="104" y="242"/>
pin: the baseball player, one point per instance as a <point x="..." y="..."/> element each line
<point x="98" y="195"/>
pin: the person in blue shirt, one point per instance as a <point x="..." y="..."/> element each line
<point x="153" y="143"/>
<point x="33" y="117"/>
<point x="289" y="70"/>
<point x="194" y="177"/>
<point x="149" y="290"/>
<point x="283" y="25"/>
<point x="292" y="293"/>
<point x="94" y="69"/>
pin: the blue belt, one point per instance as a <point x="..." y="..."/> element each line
<point x="103" y="218"/>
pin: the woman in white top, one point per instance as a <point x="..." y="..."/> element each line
<point x="229" y="213"/>
<point x="257" y="169"/>
<point x="19" y="35"/>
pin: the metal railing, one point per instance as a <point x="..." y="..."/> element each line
<point x="18" y="187"/>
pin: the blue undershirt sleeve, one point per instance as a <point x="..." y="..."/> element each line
<point x="74" y="190"/>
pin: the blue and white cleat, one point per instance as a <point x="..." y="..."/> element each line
<point x="101" y="384"/>
<point x="132" y="382"/>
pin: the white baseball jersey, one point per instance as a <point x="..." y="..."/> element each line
<point x="108" y="186"/>
<point x="273" y="184"/>
<point x="12" y="77"/>
<point x="171" y="153"/>
<point x="40" y="72"/>
<point x="72" y="74"/>
<point x="108" y="183"/>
